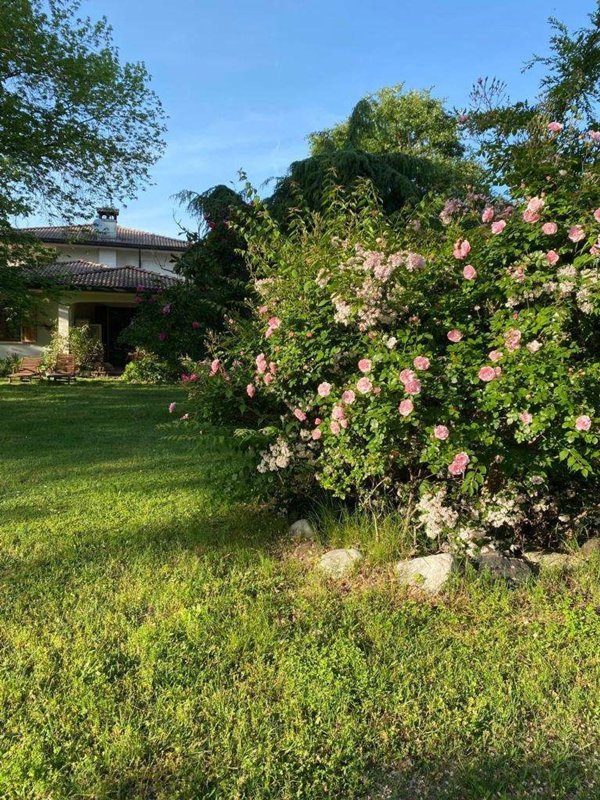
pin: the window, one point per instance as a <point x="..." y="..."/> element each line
<point x="11" y="329"/>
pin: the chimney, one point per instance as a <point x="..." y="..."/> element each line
<point x="105" y="223"/>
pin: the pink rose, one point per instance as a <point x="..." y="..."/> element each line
<point x="459" y="464"/>
<point x="498" y="227"/>
<point x="498" y="371"/>
<point x="531" y="216"/>
<point x="487" y="374"/>
<point x="184" y="417"/>
<point x="488" y="214"/>
<point x="407" y="375"/>
<point x="533" y="346"/>
<point x="337" y="412"/>
<point x="364" y="385"/>
<point x="536" y="204"/>
<point x="594" y="136"/>
<point x="583" y="423"/>
<point x="263" y="309"/>
<point x="250" y="390"/>
<point x="469" y="272"/>
<point x="365" y="365"/>
<point x="323" y="389"/>
<point x="495" y="355"/>
<point x="412" y="387"/>
<point x="272" y="367"/>
<point x="525" y="417"/>
<point x="549" y="228"/>
<point x="576" y="233"/>
<point x="214" y="366"/>
<point x="274" y="322"/>
<point x="299" y="414"/>
<point x="172" y="407"/>
<point x="261" y="363"/>
<point x="597" y="215"/>
<point x="421" y="362"/>
<point x="441" y="432"/>
<point x="555" y="127"/>
<point x="268" y="379"/>
<point x="348" y="397"/>
<point x="552" y="257"/>
<point x="316" y="434"/>
<point x="462" y="248"/>
<point x="406" y="407"/>
<point x="454" y="335"/>
<point x="334" y="427"/>
<point x="318" y="421"/>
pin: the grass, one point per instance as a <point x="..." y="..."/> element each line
<point x="159" y="639"/>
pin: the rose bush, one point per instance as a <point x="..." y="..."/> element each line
<point x="447" y="355"/>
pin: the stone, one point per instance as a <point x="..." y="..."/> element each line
<point x="591" y="546"/>
<point x="428" y="573"/>
<point x="514" y="570"/>
<point x="339" y="563"/>
<point x="302" y="529"/>
<point x="551" y="560"/>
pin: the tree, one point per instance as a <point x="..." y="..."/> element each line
<point x="406" y="143"/>
<point x="77" y="126"/>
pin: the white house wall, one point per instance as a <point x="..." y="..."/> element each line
<point x="159" y="261"/>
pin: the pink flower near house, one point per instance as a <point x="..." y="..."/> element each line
<point x="454" y="335"/>
<point x="413" y="387"/>
<point x="549" y="228"/>
<point x="323" y="389"/>
<point x="364" y="385"/>
<point x="576" y="233"/>
<point x="594" y="136"/>
<point x="272" y="368"/>
<point x="512" y="338"/>
<point x="335" y="427"/>
<point x="365" y="365"/>
<point x="299" y="414"/>
<point x="597" y="215"/>
<point x="498" y="227"/>
<point x="469" y="272"/>
<point x="337" y="412"/>
<point x="552" y="257"/>
<point x="172" y="407"/>
<point x="488" y="214"/>
<point x="263" y="309"/>
<point x="261" y="363"/>
<point x="162" y="337"/>
<point x="536" y="204"/>
<point x="407" y="375"/>
<point x="415" y="261"/>
<point x="274" y="322"/>
<point x="583" y="423"/>
<point x="462" y="248"/>
<point x="214" y="366"/>
<point x="316" y="434"/>
<point x="526" y="418"/>
<point x="487" y="374"/>
<point x="348" y="397"/>
<point x="166" y="309"/>
<point x="250" y="390"/>
<point x="459" y="464"/>
<point x="555" y="127"/>
<point x="421" y="362"/>
<point x="268" y="379"/>
<point x="184" y="417"/>
<point x="441" y="432"/>
<point x="530" y="216"/>
<point x="495" y="355"/>
<point x="406" y="407"/>
<point x="498" y="371"/>
<point x="533" y="346"/>
<point x="195" y="325"/>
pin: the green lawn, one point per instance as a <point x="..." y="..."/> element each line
<point x="158" y="639"/>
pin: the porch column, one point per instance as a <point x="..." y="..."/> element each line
<point x="64" y="320"/>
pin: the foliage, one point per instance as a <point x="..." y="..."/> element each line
<point x="159" y="641"/>
<point x="9" y="364"/>
<point x="81" y="343"/>
<point x="77" y="125"/>
<point x="405" y="142"/>
<point x="148" y="368"/>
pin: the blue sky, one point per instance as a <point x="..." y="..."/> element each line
<point x="244" y="81"/>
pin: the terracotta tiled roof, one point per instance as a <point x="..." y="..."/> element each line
<point x="90" y="275"/>
<point x="87" y="234"/>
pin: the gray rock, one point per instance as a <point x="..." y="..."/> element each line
<point x="302" y="529"/>
<point x="515" y="570"/>
<point x="339" y="563"/>
<point x="429" y="573"/>
<point x="591" y="546"/>
<point x="552" y="560"/>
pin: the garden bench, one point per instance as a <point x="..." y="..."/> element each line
<point x="65" y="369"/>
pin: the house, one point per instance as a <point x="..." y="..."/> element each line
<point x="99" y="268"/>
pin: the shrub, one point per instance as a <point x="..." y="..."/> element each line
<point x="9" y="364"/>
<point x="148" y="368"/>
<point x="450" y="357"/>
<point x="81" y="343"/>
